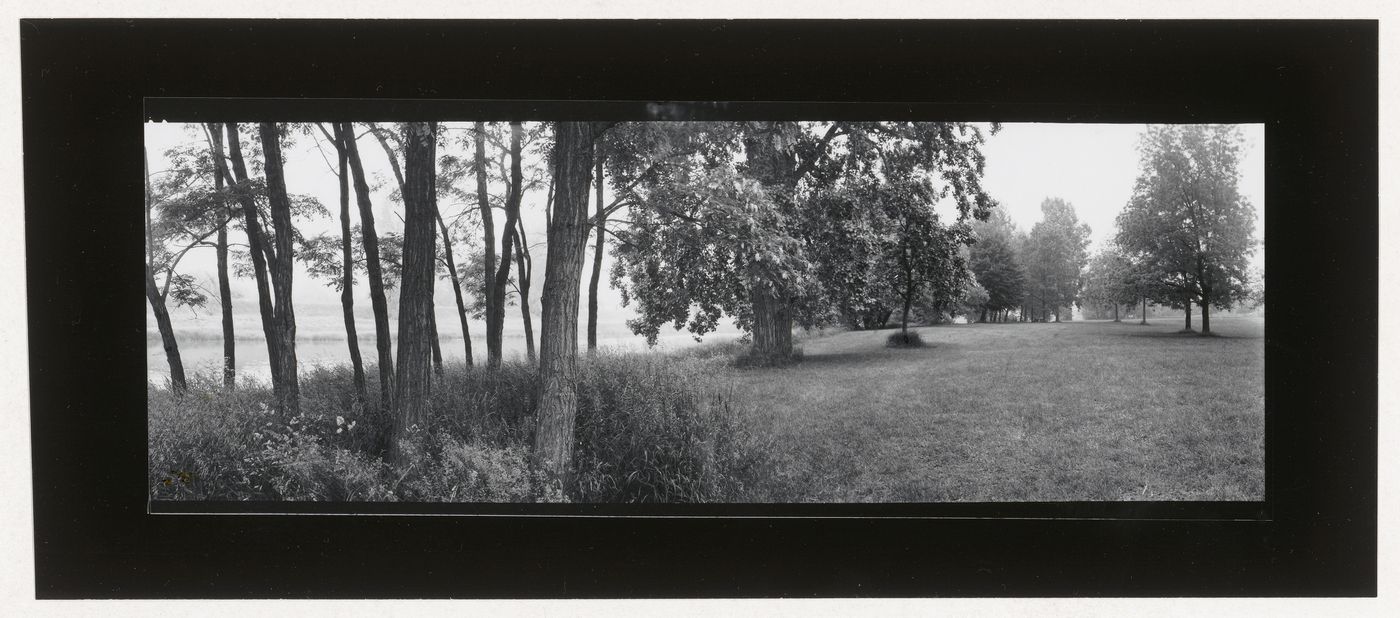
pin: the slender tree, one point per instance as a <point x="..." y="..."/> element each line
<point x="260" y="251"/>
<point x="599" y="229"/>
<point x="214" y="134"/>
<point x="285" y="317"/>
<point x="370" y="239"/>
<point x="494" y="322"/>
<point x="347" y="285"/>
<point x="157" y="300"/>
<point x="524" y="265"/>
<point x="496" y="308"/>
<point x="415" y="295"/>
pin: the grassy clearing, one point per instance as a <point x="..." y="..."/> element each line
<point x="980" y="412"/>
<point x="1021" y="412"/>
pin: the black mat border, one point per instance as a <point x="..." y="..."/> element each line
<point x="1313" y="83"/>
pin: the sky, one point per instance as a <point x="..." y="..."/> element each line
<point x="1092" y="166"/>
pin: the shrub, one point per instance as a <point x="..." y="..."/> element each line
<point x="902" y="340"/>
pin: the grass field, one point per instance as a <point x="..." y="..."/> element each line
<point x="1020" y="412"/>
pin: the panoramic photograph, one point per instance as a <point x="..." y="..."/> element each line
<point x="738" y="311"/>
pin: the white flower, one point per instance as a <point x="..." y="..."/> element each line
<point x="339" y="420"/>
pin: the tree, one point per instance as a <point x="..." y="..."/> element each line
<point x="691" y="256"/>
<point x="415" y="298"/>
<point x="568" y="237"/>
<point x="370" y="240"/>
<point x="213" y="133"/>
<point x="599" y="232"/>
<point x="993" y="260"/>
<point x="284" y="381"/>
<point x="1186" y="221"/>
<point x="1109" y="281"/>
<point x="1057" y="251"/>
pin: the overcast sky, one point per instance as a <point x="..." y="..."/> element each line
<point x="1092" y="166"/>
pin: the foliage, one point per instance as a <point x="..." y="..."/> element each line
<point x="994" y="261"/>
<point x="1055" y="254"/>
<point x="1186" y="226"/>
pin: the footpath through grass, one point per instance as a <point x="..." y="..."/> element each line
<point x="1020" y="412"/>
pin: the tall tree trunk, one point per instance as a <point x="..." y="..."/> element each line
<point x="1188" y="314"/>
<point x="436" y="344"/>
<point x="523" y="266"/>
<point x="216" y="144"/>
<point x="347" y="266"/>
<point x="1115" y="312"/>
<point x="497" y="311"/>
<point x="281" y="211"/>
<point x="567" y="240"/>
<point x="258" y="251"/>
<point x="1144" y="311"/>
<point x="456" y="285"/>
<point x="412" y="383"/>
<point x="380" y="304"/>
<point x="494" y="323"/>
<point x="167" y="334"/>
<point x="1205" y="313"/>
<point x="599" y="229"/>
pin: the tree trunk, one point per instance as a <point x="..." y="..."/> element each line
<point x="347" y="266"/>
<point x="494" y="323"/>
<point x="498" y="292"/>
<point x="456" y="285"/>
<point x="382" y="343"/>
<point x="523" y="266"/>
<point x="1115" y="312"/>
<point x="983" y="317"/>
<point x="433" y="333"/>
<point x="257" y="250"/>
<point x="599" y="229"/>
<point x="1205" y="313"/>
<point x="1188" y="314"/>
<point x="281" y="211"/>
<point x="567" y="240"/>
<point x="1144" y="311"/>
<point x="216" y="144"/>
<point x="413" y="372"/>
<point x="167" y="334"/>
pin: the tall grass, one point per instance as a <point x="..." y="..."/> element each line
<point x="651" y="427"/>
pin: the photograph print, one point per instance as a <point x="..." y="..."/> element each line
<point x="704" y="311"/>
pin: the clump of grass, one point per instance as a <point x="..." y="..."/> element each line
<point x="653" y="428"/>
<point x="904" y="340"/>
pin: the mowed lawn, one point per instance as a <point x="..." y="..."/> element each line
<point x="1020" y="412"/>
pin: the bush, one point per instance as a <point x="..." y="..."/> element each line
<point x="912" y="339"/>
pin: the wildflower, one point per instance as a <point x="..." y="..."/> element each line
<point x="339" y="420"/>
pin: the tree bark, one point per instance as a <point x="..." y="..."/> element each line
<point x="1115" y="312"/>
<point x="1144" y="311"/>
<point x="523" y="266"/>
<point x="436" y="344"/>
<point x="216" y="144"/>
<point x="347" y="265"/>
<point x="411" y="387"/>
<point x="496" y="312"/>
<point x="599" y="229"/>
<point x="1188" y="314"/>
<point x="281" y="211"/>
<point x="257" y="250"/>
<point x="494" y="324"/>
<point x="370" y="239"/>
<point x="567" y="240"/>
